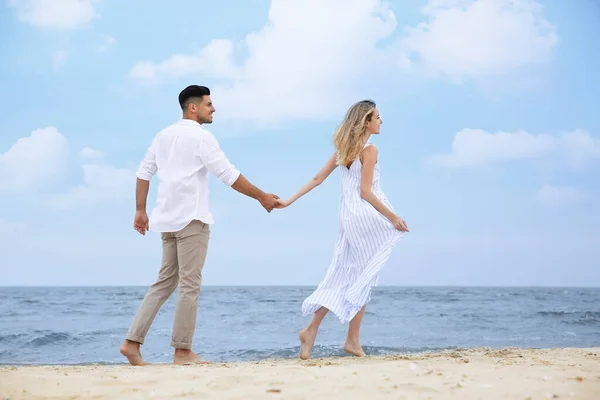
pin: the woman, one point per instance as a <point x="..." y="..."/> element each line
<point x="368" y="229"/>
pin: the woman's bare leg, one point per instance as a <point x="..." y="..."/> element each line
<point x="309" y="334"/>
<point x="352" y="345"/>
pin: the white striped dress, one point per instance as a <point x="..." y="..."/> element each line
<point x="365" y="242"/>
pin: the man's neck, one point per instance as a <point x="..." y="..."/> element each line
<point x="190" y="119"/>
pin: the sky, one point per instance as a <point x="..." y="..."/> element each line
<point x="489" y="148"/>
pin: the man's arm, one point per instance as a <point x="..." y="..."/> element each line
<point x="145" y="172"/>
<point x="141" y="194"/>
<point x="217" y="163"/>
<point x="244" y="186"/>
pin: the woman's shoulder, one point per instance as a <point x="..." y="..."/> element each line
<point x="369" y="151"/>
<point x="369" y="148"/>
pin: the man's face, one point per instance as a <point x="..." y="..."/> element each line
<point x="204" y="110"/>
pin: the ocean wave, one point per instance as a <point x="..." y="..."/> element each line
<point x="35" y="338"/>
<point x="574" y="317"/>
<point x="10" y="337"/>
<point x="587" y="314"/>
<point x="241" y="355"/>
<point x="50" y="338"/>
<point x="319" y="351"/>
<point x="30" y="302"/>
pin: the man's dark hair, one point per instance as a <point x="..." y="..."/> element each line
<point x="192" y="94"/>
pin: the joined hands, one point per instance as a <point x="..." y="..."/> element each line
<point x="269" y="201"/>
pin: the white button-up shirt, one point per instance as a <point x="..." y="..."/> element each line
<point x="181" y="156"/>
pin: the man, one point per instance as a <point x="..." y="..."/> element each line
<point x="182" y="155"/>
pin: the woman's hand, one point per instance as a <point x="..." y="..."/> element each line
<point x="282" y="203"/>
<point x="399" y="224"/>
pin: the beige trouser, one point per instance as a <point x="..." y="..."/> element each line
<point x="183" y="258"/>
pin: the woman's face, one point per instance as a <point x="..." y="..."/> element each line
<point x="374" y="124"/>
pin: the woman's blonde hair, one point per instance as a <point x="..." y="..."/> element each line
<point x="349" y="137"/>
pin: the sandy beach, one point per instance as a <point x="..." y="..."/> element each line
<point x="459" y="374"/>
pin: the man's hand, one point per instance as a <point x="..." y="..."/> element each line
<point x="140" y="222"/>
<point x="269" y="201"/>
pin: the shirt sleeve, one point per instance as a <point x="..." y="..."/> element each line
<point x="215" y="160"/>
<point x="147" y="167"/>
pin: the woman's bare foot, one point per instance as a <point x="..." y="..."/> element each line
<point x="354" y="348"/>
<point x="307" y="341"/>
<point x="186" y="357"/>
<point x="131" y="350"/>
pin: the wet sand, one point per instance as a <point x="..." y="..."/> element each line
<point x="485" y="374"/>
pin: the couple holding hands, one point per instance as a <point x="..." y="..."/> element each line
<point x="185" y="153"/>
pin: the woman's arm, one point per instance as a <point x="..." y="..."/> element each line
<point x="369" y="157"/>
<point x="327" y="169"/>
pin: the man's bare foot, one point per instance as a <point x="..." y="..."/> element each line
<point x="307" y="341"/>
<point x="187" y="357"/>
<point x="131" y="350"/>
<point x="354" y="348"/>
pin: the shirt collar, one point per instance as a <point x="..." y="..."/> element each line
<point x="184" y="121"/>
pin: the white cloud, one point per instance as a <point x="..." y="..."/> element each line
<point x="557" y="196"/>
<point x="59" y="59"/>
<point x="107" y="43"/>
<point x="88" y="152"/>
<point x="311" y="57"/>
<point x="101" y="183"/>
<point x="55" y="14"/>
<point x="474" y="147"/>
<point x="34" y="161"/>
<point x="216" y="59"/>
<point x="470" y="39"/>
<point x="302" y="63"/>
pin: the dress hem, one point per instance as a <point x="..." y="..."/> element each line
<point x="310" y="307"/>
